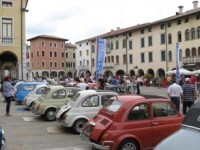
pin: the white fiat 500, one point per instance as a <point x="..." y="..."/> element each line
<point x="83" y="106"/>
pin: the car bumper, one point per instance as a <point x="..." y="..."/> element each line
<point x="94" y="145"/>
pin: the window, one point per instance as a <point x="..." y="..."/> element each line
<point x="51" y="64"/>
<point x="51" y="54"/>
<point x="124" y="43"/>
<point x="62" y="54"/>
<point x="111" y="46"/>
<point x="169" y="24"/>
<point x="162" y="55"/>
<point x="63" y="64"/>
<point x="142" y="58"/>
<point x="92" y="101"/>
<point x="192" y="33"/>
<point x="150" y="57"/>
<point x="60" y="94"/>
<point x="198" y="32"/>
<point x="50" y="44"/>
<point x="130" y="58"/>
<point x="37" y="53"/>
<point x="93" y="49"/>
<point x="187" y="35"/>
<point x="179" y="36"/>
<point x="186" y="20"/>
<point x="124" y="59"/>
<point x="198" y="17"/>
<point x="112" y="59"/>
<point x="55" y="64"/>
<point x="178" y="22"/>
<point x="142" y="42"/>
<point x="43" y="64"/>
<point x="66" y="55"/>
<point x="87" y="62"/>
<point x="93" y="64"/>
<point x="162" y="38"/>
<point x="74" y="55"/>
<point x="55" y="45"/>
<point x="7" y="25"/>
<point x="7" y="4"/>
<point x="55" y="54"/>
<point x="170" y="56"/>
<point x="142" y="31"/>
<point x="43" y="54"/>
<point x="169" y="39"/>
<point x="162" y="26"/>
<point x="80" y="53"/>
<point x="150" y="29"/>
<point x="87" y="52"/>
<point x="117" y="44"/>
<point x="117" y="59"/>
<point x="150" y="41"/>
<point x="43" y="44"/>
<point x="162" y="109"/>
<point x="139" y="112"/>
<point x="130" y="44"/>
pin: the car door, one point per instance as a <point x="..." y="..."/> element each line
<point x="166" y="120"/>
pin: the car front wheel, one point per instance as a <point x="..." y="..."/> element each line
<point x="50" y="114"/>
<point x="78" y="125"/>
<point x="129" y="144"/>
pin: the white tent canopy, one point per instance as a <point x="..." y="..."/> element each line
<point x="182" y="72"/>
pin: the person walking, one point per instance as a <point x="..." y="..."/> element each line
<point x="189" y="95"/>
<point x="8" y="93"/>
<point x="175" y="93"/>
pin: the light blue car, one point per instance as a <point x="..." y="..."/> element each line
<point x="23" y="89"/>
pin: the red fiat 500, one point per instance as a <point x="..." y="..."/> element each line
<point x="132" y="122"/>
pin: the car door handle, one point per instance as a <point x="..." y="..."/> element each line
<point x="154" y="123"/>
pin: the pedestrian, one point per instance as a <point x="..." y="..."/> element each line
<point x="8" y="93"/>
<point x="189" y="95"/>
<point x="175" y="93"/>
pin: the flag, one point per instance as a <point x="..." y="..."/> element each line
<point x="178" y="76"/>
<point x="101" y="50"/>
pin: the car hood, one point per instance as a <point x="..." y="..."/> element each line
<point x="97" y="125"/>
<point x="62" y="110"/>
<point x="184" y="139"/>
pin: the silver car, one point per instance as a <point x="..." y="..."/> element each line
<point x="83" y="106"/>
<point x="187" y="138"/>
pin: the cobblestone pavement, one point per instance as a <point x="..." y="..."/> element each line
<point x="24" y="131"/>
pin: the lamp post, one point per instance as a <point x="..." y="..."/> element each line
<point x="126" y="40"/>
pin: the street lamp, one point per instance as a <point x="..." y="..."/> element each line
<point x="126" y="40"/>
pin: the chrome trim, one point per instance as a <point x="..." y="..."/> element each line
<point x="184" y="125"/>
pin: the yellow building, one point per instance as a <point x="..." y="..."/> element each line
<point x="13" y="39"/>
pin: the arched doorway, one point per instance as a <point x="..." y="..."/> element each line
<point x="8" y="64"/>
<point x="120" y="73"/>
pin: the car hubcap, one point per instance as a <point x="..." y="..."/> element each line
<point x="51" y="115"/>
<point x="79" y="125"/>
<point x="129" y="146"/>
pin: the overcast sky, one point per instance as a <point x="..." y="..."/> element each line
<point x="77" y="20"/>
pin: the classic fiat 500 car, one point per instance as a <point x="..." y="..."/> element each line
<point x="53" y="98"/>
<point x="34" y="94"/>
<point x="132" y="122"/>
<point x="82" y="107"/>
<point x="187" y="138"/>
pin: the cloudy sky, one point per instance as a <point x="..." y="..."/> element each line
<point x="77" y="20"/>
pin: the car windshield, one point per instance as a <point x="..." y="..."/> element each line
<point x="112" y="105"/>
<point x="75" y="97"/>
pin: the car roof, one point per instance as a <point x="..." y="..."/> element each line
<point x="192" y="117"/>
<point x="128" y="98"/>
<point x="95" y="91"/>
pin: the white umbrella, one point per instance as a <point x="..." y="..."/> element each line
<point x="182" y="72"/>
<point x="196" y="72"/>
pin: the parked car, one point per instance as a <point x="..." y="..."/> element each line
<point x="34" y="94"/>
<point x="2" y="139"/>
<point x="187" y="138"/>
<point x="23" y="89"/>
<point x="53" y="98"/>
<point x="82" y="107"/>
<point x="132" y="122"/>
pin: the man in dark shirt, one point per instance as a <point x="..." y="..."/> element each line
<point x="189" y="95"/>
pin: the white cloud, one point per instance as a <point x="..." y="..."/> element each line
<point x="80" y="19"/>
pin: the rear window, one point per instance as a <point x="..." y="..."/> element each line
<point x="112" y="105"/>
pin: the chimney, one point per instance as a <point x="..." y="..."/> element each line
<point x="118" y="28"/>
<point x="180" y="9"/>
<point x="195" y="4"/>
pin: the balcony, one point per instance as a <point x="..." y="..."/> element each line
<point x="191" y="60"/>
<point x="7" y="40"/>
<point x="109" y="65"/>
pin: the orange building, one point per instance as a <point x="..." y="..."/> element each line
<point x="47" y="56"/>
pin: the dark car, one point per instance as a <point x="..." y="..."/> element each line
<point x="187" y="138"/>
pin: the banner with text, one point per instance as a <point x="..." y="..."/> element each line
<point x="101" y="50"/>
<point x="178" y="76"/>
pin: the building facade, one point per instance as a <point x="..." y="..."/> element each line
<point x="12" y="43"/>
<point x="148" y="48"/>
<point x="47" y="57"/>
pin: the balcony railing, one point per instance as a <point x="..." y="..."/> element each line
<point x="192" y="59"/>
<point x="7" y="40"/>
